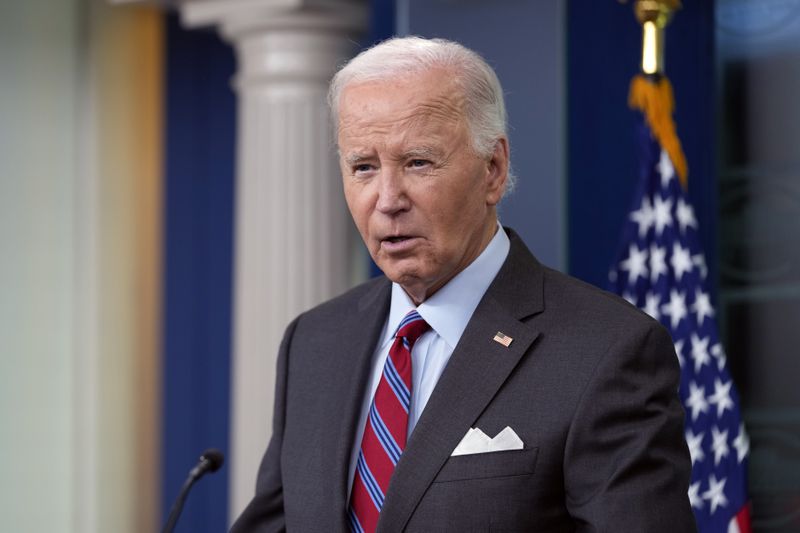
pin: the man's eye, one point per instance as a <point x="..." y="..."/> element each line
<point x="362" y="168"/>
<point x="418" y="163"/>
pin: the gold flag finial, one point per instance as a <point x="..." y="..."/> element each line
<point x="653" y="15"/>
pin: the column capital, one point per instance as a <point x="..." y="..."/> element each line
<point x="238" y="18"/>
<point x="283" y="43"/>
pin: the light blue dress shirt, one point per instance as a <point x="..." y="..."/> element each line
<point x="447" y="312"/>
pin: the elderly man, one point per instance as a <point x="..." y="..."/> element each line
<point x="471" y="389"/>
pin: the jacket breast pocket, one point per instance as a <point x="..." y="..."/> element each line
<point x="488" y="465"/>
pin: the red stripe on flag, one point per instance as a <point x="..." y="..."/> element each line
<point x="742" y="519"/>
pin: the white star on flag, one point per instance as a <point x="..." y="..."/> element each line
<point x="676" y="308"/>
<point x="665" y="168"/>
<point x="694" y="495"/>
<point x="700" y="353"/>
<point x="716" y="493"/>
<point x="699" y="261"/>
<point x="662" y="214"/>
<point x="695" y="443"/>
<point x="644" y="217"/>
<point x="685" y="215"/>
<point x="719" y="444"/>
<point x="697" y="400"/>
<point x="679" y="351"/>
<point x="635" y="264"/>
<point x="658" y="262"/>
<point x="721" y="397"/>
<point x="651" y="303"/>
<point x="719" y="354"/>
<point x="742" y="444"/>
<point x="701" y="306"/>
<point x="681" y="261"/>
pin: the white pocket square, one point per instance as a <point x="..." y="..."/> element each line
<point x="476" y="441"/>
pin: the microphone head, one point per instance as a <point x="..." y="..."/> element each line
<point x="214" y="458"/>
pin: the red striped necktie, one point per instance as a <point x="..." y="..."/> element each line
<point x="385" y="433"/>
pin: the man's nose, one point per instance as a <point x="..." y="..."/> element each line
<point x="392" y="193"/>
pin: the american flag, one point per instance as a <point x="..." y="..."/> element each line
<point x="661" y="269"/>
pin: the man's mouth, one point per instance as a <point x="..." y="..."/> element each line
<point x="398" y="243"/>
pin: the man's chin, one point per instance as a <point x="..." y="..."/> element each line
<point x="412" y="283"/>
<point x="402" y="276"/>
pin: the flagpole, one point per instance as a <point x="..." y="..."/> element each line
<point x="654" y="15"/>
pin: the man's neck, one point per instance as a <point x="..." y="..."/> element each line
<point x="420" y="293"/>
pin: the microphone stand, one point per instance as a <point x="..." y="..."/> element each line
<point x="210" y="461"/>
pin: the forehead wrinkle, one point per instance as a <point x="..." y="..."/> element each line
<point x="403" y="124"/>
<point x="412" y="135"/>
<point x="425" y="116"/>
<point x="443" y="107"/>
<point x="447" y="104"/>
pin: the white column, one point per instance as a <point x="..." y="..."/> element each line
<point x="293" y="234"/>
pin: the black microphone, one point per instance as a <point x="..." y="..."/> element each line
<point x="210" y="461"/>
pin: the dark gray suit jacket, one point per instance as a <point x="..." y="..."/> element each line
<point x="589" y="384"/>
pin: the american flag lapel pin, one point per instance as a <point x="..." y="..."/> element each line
<point x="503" y="339"/>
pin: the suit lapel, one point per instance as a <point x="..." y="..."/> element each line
<point x="477" y="369"/>
<point x="356" y="346"/>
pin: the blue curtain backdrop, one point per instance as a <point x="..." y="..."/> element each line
<point x="199" y="196"/>
<point x="382" y="20"/>
<point x="604" y="52"/>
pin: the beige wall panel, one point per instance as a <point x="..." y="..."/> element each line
<point x="126" y="47"/>
<point x="80" y="255"/>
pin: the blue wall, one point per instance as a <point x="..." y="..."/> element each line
<point x="199" y="182"/>
<point x="524" y="42"/>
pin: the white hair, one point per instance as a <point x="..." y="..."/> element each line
<point x="485" y="109"/>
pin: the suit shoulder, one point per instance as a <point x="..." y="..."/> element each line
<point x="363" y="294"/>
<point x="571" y="295"/>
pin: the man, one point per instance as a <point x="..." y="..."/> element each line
<point x="474" y="389"/>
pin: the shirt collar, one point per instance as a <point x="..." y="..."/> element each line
<point x="448" y="311"/>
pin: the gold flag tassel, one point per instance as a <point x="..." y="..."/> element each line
<point x="651" y="92"/>
<point x="654" y="99"/>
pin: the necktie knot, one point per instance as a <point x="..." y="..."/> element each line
<point x="412" y="327"/>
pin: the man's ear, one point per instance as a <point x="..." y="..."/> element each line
<point x="497" y="172"/>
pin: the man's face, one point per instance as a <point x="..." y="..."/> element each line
<point x="422" y="200"/>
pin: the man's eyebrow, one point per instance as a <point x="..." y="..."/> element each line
<point x="417" y="152"/>
<point x="354" y="159"/>
<point x="421" y="152"/>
